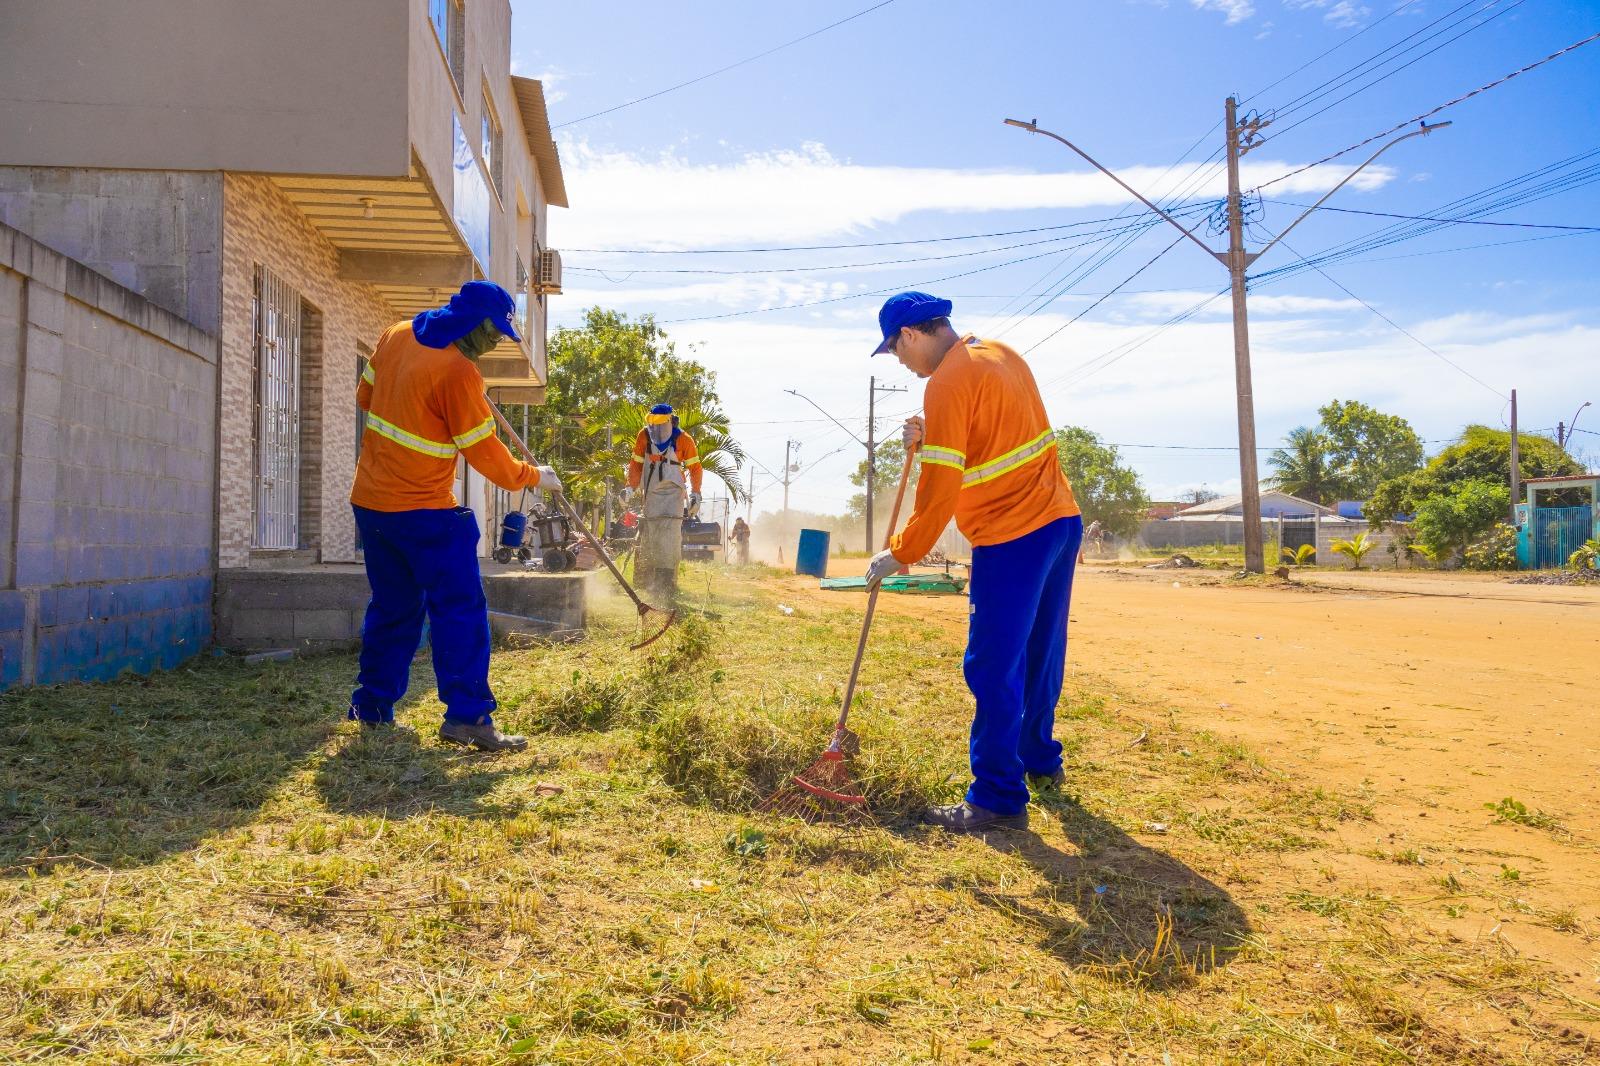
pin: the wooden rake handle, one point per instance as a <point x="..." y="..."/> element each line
<point x="872" y="604"/>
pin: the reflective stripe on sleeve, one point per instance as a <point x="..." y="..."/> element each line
<point x="944" y="457"/>
<point x="638" y="457"/>
<point x="693" y="462"/>
<point x="1012" y="460"/>
<point x="367" y="375"/>
<point x="409" y="440"/>
<point x="475" y="434"/>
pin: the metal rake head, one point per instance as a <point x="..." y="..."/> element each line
<point x="825" y="791"/>
<point x="645" y="611"/>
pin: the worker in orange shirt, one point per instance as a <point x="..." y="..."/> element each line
<point x="989" y="459"/>
<point x="665" y="471"/>
<point x="424" y="403"/>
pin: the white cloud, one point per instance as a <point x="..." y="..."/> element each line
<point x="1343" y="14"/>
<point x="1235" y="10"/>
<point x="623" y="200"/>
<point x="1166" y="304"/>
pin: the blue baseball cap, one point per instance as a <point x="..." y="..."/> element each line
<point x="907" y="309"/>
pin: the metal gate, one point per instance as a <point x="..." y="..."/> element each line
<point x="277" y="358"/>
<point x="1558" y="532"/>
<point x="1294" y="533"/>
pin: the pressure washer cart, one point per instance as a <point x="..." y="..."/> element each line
<point x="540" y="532"/>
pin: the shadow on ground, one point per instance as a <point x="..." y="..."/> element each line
<point x="133" y="770"/>
<point x="401" y="772"/>
<point x="1142" y="916"/>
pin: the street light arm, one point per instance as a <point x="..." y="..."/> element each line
<point x="1423" y="132"/>
<point x="1033" y="127"/>
<point x="835" y="421"/>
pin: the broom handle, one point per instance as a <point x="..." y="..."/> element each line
<point x="872" y="598"/>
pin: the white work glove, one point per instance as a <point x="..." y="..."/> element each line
<point x="694" y="503"/>
<point x="912" y="432"/>
<point x="883" y="564"/>
<point x="548" y="481"/>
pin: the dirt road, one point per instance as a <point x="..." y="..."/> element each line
<point x="1427" y="696"/>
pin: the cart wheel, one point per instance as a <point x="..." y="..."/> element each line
<point x="555" y="560"/>
<point x="502" y="554"/>
<point x="524" y="554"/>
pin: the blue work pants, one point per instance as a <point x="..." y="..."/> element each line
<point x="425" y="560"/>
<point x="1016" y="654"/>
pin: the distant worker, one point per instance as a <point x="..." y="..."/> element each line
<point x="424" y="400"/>
<point x="664" y="458"/>
<point x="1093" y="537"/>
<point x="989" y="459"/>
<point x="741" y="542"/>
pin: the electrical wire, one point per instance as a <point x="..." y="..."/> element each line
<point x="1323" y="55"/>
<point x="724" y="70"/>
<point x="1429" y="218"/>
<point x="1150" y="263"/>
<point x="1429" y="114"/>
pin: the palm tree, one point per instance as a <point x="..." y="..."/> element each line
<point x="720" y="454"/>
<point x="1356" y="548"/>
<point x="1304" y="468"/>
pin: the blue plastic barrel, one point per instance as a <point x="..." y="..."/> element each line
<point x="512" y="528"/>
<point x="812" y="555"/>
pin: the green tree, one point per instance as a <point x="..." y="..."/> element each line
<point x="1305" y="467"/>
<point x="1449" y="520"/>
<point x="1107" y="491"/>
<point x="891" y="457"/>
<point x="1368" y="447"/>
<point x="1480" y="455"/>
<point x="603" y="376"/>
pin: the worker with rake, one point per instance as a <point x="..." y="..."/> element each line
<point x="424" y="403"/>
<point x="989" y="460"/>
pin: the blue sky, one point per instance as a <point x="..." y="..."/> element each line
<point x="888" y="129"/>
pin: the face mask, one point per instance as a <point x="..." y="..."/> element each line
<point x="480" y="340"/>
<point x="661" y="434"/>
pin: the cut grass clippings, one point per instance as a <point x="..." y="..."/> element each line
<point x="210" y="865"/>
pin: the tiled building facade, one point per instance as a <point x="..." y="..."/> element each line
<point x="307" y="207"/>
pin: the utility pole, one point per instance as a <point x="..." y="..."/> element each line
<point x="873" y="388"/>
<point x="1516" y="460"/>
<point x="1238" y="259"/>
<point x="1240" y="140"/>
<point x="788" y="471"/>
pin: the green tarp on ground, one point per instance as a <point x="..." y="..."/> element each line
<point x="916" y="584"/>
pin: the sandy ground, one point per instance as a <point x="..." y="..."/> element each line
<point x="1427" y="695"/>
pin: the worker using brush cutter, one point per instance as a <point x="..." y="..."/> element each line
<point x="424" y="403"/>
<point x="664" y="458"/>
<point x="989" y="459"/>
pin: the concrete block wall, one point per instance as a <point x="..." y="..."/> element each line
<point x="261" y="226"/>
<point x="107" y="473"/>
<point x="158" y="233"/>
<point x="1380" y="556"/>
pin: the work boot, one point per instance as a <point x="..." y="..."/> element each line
<point x="482" y="737"/>
<point x="1048" y="782"/>
<point x="967" y="818"/>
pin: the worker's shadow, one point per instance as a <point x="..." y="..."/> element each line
<point x="1141" y="915"/>
<point x="405" y="770"/>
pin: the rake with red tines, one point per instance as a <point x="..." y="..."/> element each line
<point x="826" y="790"/>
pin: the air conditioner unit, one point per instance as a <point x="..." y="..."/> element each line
<point x="548" y="277"/>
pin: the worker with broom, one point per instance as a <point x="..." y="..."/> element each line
<point x="665" y="465"/>
<point x="424" y="403"/>
<point x="989" y="460"/>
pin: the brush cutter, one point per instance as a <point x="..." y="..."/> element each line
<point x="825" y="790"/>
<point x="564" y="505"/>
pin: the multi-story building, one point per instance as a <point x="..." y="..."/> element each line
<point x="272" y="184"/>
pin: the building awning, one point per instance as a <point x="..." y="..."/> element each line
<point x="536" y="126"/>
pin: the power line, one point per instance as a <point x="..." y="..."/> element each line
<point x="1323" y="55"/>
<point x="1150" y="263"/>
<point x="1430" y="218"/>
<point x="1438" y="354"/>
<point x="724" y="70"/>
<point x="1429" y="114"/>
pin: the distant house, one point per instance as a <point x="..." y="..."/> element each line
<point x="1161" y="510"/>
<point x="1274" y="504"/>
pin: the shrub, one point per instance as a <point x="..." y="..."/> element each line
<point x="1356" y="548"/>
<point x="1495" y="550"/>
<point x="1585" y="558"/>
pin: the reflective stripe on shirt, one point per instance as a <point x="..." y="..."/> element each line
<point x="409" y="440"/>
<point x="368" y="376"/>
<point x="944" y="457"/>
<point x="475" y="434"/>
<point x="1012" y="460"/>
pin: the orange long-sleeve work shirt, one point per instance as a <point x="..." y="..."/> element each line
<point x="688" y="455"/>
<point x="424" y="407"/>
<point x="988" y="453"/>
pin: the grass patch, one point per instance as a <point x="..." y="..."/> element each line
<point x="212" y="865"/>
